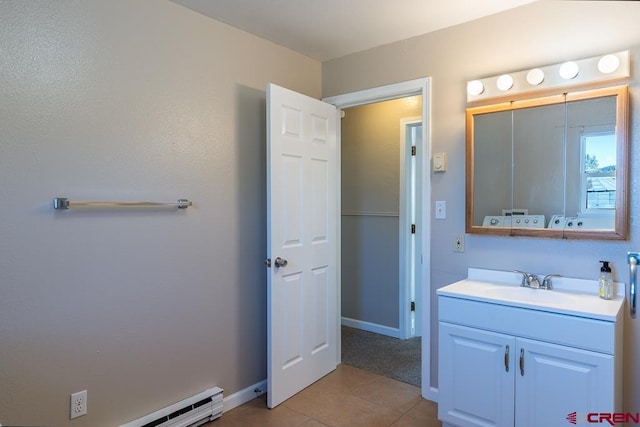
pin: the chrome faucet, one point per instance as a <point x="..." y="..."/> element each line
<point x="529" y="280"/>
<point x="532" y="281"/>
<point x="546" y="283"/>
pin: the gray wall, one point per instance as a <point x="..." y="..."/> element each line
<point x="121" y="100"/>
<point x="537" y="34"/>
<point x="370" y="192"/>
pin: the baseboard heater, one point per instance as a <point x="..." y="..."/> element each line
<point x="191" y="412"/>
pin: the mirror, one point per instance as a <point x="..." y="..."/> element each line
<point x="554" y="166"/>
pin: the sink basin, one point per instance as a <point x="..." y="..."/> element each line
<point x="520" y="295"/>
<point x="527" y="294"/>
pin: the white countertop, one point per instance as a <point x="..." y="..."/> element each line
<point x="577" y="297"/>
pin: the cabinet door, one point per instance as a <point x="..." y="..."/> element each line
<point x="556" y="381"/>
<point x="475" y="377"/>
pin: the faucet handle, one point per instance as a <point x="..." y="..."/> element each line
<point x="525" y="277"/>
<point x="546" y="282"/>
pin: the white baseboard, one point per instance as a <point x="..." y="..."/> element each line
<point x="243" y="396"/>
<point x="371" y="327"/>
<point x="432" y="394"/>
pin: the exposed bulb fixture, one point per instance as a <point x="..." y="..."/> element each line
<point x="475" y="87"/>
<point x="608" y="64"/>
<point x="535" y="77"/>
<point x="569" y="70"/>
<point x="585" y="71"/>
<point x="504" y="82"/>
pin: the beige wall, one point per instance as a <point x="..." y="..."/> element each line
<point x="121" y="100"/>
<point x="538" y="34"/>
<point x="370" y="150"/>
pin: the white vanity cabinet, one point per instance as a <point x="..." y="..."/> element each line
<point x="502" y="364"/>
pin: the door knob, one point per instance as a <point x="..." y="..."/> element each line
<point x="280" y="262"/>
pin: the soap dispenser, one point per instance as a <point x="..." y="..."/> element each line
<point x="605" y="282"/>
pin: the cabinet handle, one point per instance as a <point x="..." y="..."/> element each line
<point x="633" y="259"/>
<point x="522" y="362"/>
<point x="506" y="358"/>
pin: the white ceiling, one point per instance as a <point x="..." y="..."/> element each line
<point x="327" y="29"/>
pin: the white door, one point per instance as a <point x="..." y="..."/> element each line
<point x="302" y="193"/>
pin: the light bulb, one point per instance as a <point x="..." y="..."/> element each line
<point x="504" y="82"/>
<point x="475" y="87"/>
<point x="569" y="70"/>
<point x="535" y="77"/>
<point x="608" y="64"/>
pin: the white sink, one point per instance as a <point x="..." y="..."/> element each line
<point x="504" y="292"/>
<point x="569" y="296"/>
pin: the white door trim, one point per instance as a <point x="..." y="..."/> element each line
<point x="407" y="259"/>
<point x="398" y="90"/>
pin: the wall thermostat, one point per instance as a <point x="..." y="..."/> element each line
<point x="439" y="162"/>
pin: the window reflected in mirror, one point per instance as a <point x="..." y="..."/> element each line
<point x="598" y="188"/>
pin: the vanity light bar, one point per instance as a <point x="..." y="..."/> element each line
<point x="571" y="73"/>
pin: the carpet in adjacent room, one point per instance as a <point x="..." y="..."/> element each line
<point x="383" y="355"/>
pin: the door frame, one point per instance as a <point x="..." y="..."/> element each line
<point x="407" y="257"/>
<point x="423" y="207"/>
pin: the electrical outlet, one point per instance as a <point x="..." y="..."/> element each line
<point x="458" y="243"/>
<point x="78" y="404"/>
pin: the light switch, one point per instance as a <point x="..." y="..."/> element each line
<point x="441" y="209"/>
<point x="439" y="162"/>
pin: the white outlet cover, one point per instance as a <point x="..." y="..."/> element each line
<point x="78" y="404"/>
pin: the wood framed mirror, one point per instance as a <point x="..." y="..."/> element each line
<point x="554" y="166"/>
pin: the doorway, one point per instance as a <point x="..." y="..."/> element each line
<point x="420" y="87"/>
<point x="378" y="216"/>
<point x="378" y="189"/>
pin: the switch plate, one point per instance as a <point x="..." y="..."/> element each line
<point x="458" y="243"/>
<point x="441" y="209"/>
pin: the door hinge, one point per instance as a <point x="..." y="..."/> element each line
<point x="413" y="150"/>
<point x="267" y="262"/>
<point x="413" y="306"/>
<point x="413" y="229"/>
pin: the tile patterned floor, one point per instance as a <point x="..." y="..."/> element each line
<point x="346" y="397"/>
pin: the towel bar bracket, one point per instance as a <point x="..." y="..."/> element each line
<point x="60" y="203"/>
